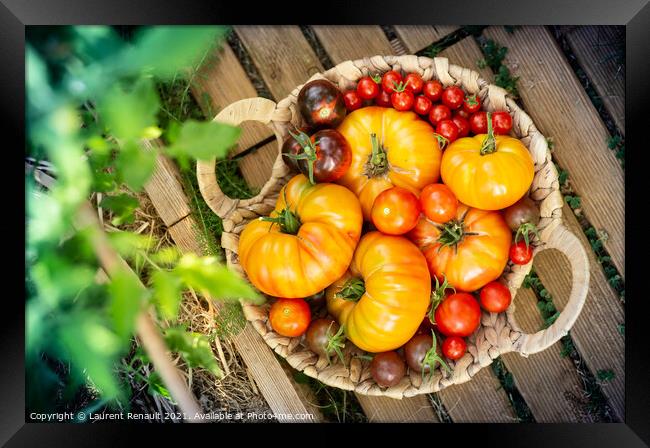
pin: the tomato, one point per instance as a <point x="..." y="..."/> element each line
<point x="438" y="113"/>
<point x="321" y="104"/>
<point x="387" y="369"/>
<point x="422" y="105"/>
<point x="448" y="129"/>
<point x="462" y="124"/>
<point x="495" y="297"/>
<point x="395" y="211"/>
<point x="388" y="159"/>
<point x="462" y="113"/>
<point x="470" y="250"/>
<point x="289" y="317"/>
<point x="382" y="299"/>
<point x="367" y="88"/>
<point x="402" y="100"/>
<point x="432" y="90"/>
<point x="524" y="211"/>
<point x="454" y="347"/>
<point x="306" y="244"/>
<point x="413" y="82"/>
<point x="486" y="171"/>
<point x="390" y="80"/>
<point x="292" y="147"/>
<point x="520" y="253"/>
<point x="325" y="338"/>
<point x="352" y="100"/>
<point x="502" y="122"/>
<point x="438" y="202"/>
<point x="453" y="97"/>
<point x="316" y="301"/>
<point x="478" y="122"/>
<point x="383" y="99"/>
<point x="422" y="353"/>
<point x="458" y="315"/>
<point x="324" y="157"/>
<point x="471" y="104"/>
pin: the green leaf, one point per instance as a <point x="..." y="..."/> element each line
<point x="167" y="288"/>
<point x="94" y="42"/>
<point x="123" y="206"/>
<point x="606" y="375"/>
<point x="156" y="386"/>
<point x="127" y="297"/>
<point x="59" y="279"/>
<point x="126" y="114"/>
<point x="127" y="244"/>
<point x="135" y="165"/>
<point x="194" y="348"/>
<point x="209" y="277"/>
<point x="205" y="140"/>
<point x="166" y="256"/>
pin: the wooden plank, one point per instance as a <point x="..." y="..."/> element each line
<point x="481" y="400"/>
<point x="256" y="167"/>
<point x="418" y="37"/>
<point x="407" y="410"/>
<point x="548" y="382"/>
<point x="560" y="108"/>
<point x="595" y="333"/>
<point x="281" y="54"/>
<point x="466" y="53"/>
<point x="222" y="81"/>
<point x="353" y="42"/>
<point x="600" y="50"/>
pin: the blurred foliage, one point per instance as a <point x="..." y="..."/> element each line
<point x="92" y="96"/>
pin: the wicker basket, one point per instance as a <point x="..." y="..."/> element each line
<point x="498" y="333"/>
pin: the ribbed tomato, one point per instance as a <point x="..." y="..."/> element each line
<point x="389" y="148"/>
<point x="306" y="244"/>
<point x="384" y="296"/>
<point x="486" y="171"/>
<point x="470" y="250"/>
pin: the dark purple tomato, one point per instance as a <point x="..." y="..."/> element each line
<point x="321" y="104"/>
<point x="322" y="337"/>
<point x="316" y="301"/>
<point x="387" y="369"/>
<point x="323" y="157"/>
<point x="524" y="211"/>
<point x="293" y="147"/>
<point x="420" y="354"/>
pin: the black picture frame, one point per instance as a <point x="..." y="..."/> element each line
<point x="15" y="15"/>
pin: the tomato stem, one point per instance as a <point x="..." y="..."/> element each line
<point x="352" y="290"/>
<point x="335" y="343"/>
<point x="524" y="231"/>
<point x="489" y="144"/>
<point x="452" y="233"/>
<point x="432" y="357"/>
<point x="377" y="163"/>
<point x="438" y="295"/>
<point x="308" y="152"/>
<point x="288" y="221"/>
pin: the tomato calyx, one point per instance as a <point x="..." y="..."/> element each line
<point x="399" y="87"/>
<point x="489" y="144"/>
<point x="377" y="163"/>
<point x="352" y="290"/>
<point x="452" y="233"/>
<point x="288" y="221"/>
<point x="308" y="152"/>
<point x="442" y="141"/>
<point x="432" y="357"/>
<point x="524" y="232"/>
<point x="335" y="343"/>
<point x="471" y="100"/>
<point x="438" y="295"/>
<point x="376" y="77"/>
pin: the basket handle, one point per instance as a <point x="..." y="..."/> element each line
<point x="565" y="241"/>
<point x="249" y="109"/>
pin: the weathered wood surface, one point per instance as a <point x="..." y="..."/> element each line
<point x="557" y="103"/>
<point x="352" y="42"/>
<point x="600" y="50"/>
<point x="407" y="410"/>
<point x="418" y="37"/>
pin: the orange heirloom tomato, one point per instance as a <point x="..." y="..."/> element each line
<point x="471" y="250"/>
<point x="383" y="298"/>
<point x="389" y="148"/>
<point x="306" y="244"/>
<point x="486" y="171"/>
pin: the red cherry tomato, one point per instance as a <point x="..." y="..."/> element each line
<point x="453" y="97"/>
<point x="439" y="203"/>
<point x="383" y="99"/>
<point x="458" y="315"/>
<point x="454" y="347"/>
<point x="367" y="88"/>
<point x="290" y="317"/>
<point x="422" y="105"/>
<point x="463" y="125"/>
<point x="432" y="90"/>
<point x="352" y="100"/>
<point x="402" y="100"/>
<point x="390" y="80"/>
<point x="501" y="122"/>
<point x="495" y="297"/>
<point x="414" y="82"/>
<point x="438" y="113"/>
<point x="520" y="254"/>
<point x="448" y="129"/>
<point x="462" y="113"/>
<point x="478" y="122"/>
<point x="471" y="104"/>
<point x="395" y="211"/>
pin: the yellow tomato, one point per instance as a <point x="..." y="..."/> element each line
<point x="489" y="177"/>
<point x="310" y="244"/>
<point x="384" y="296"/>
<point x="404" y="152"/>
